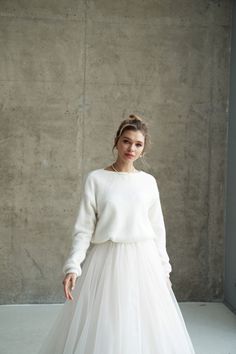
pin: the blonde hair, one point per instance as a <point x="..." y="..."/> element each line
<point x="134" y="122"/>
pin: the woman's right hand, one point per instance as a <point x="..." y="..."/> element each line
<point x="69" y="284"/>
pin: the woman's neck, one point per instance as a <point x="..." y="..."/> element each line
<point x="122" y="167"/>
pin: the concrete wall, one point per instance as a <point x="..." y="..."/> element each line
<point x="230" y="243"/>
<point x="70" y="71"/>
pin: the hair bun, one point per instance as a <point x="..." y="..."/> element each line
<point x="135" y="117"/>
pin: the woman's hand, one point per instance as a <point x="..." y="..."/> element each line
<point x="69" y="284"/>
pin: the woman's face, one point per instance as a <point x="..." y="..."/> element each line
<point x="130" y="145"/>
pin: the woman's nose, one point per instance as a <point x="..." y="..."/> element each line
<point x="132" y="147"/>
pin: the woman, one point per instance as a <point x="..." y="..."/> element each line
<point x="122" y="302"/>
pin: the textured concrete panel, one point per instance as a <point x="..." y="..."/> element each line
<point x="39" y="162"/>
<point x="41" y="88"/>
<point x="70" y="71"/>
<point x="35" y="50"/>
<point x="44" y="9"/>
<point x="181" y="12"/>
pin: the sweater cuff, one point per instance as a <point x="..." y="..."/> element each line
<point x="72" y="270"/>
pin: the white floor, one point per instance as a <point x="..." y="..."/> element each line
<point x="212" y="327"/>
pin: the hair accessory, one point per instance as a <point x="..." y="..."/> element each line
<point x="127" y="125"/>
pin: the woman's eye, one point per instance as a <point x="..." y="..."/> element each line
<point x="126" y="141"/>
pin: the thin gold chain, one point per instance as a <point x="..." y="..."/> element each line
<point x="121" y="171"/>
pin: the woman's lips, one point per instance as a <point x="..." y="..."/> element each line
<point x="129" y="155"/>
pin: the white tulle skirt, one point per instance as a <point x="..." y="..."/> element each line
<point x="122" y="305"/>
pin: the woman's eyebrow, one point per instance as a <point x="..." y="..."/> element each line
<point x="138" y="141"/>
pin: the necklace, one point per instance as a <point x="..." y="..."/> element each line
<point x="121" y="171"/>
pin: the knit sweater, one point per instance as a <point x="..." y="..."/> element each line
<point x="117" y="206"/>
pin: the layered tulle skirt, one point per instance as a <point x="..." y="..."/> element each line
<point x="122" y="305"/>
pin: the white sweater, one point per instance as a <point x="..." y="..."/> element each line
<point x="117" y="206"/>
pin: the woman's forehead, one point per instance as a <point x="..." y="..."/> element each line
<point x="133" y="135"/>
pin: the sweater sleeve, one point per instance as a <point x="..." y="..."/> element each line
<point x="157" y="221"/>
<point x="83" y="228"/>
